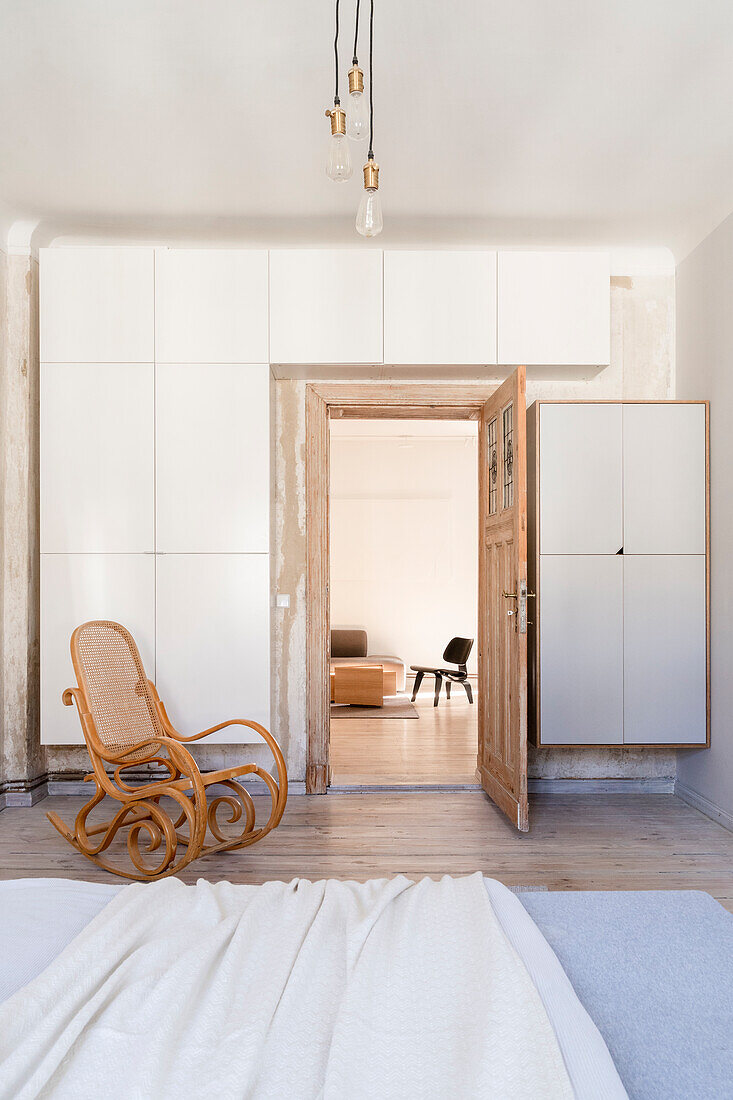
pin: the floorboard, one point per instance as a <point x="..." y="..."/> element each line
<point x="439" y="747"/>
<point x="576" y="842"/>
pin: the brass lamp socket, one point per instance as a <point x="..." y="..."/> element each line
<point x="356" y="79"/>
<point x="338" y="120"/>
<point x="371" y="176"/>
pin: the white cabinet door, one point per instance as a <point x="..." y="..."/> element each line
<point x="581" y="650"/>
<point x="97" y="466"/>
<point x="213" y="641"/>
<point x="664" y="479"/>
<point x="581" y="487"/>
<point x="97" y="305"/>
<point x="213" y="458"/>
<point x="210" y="306"/>
<point x="74" y="589"/>
<point x="326" y="306"/>
<point x="554" y="308"/>
<point x="665" y="689"/>
<point x="440" y="307"/>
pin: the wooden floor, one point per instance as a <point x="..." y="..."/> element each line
<point x="588" y="842"/>
<point x="437" y="748"/>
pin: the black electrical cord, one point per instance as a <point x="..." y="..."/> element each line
<point x="370" y="154"/>
<point x="336" y="99"/>
<point x="355" y="59"/>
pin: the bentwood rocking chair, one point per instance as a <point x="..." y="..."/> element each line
<point x="126" y="727"/>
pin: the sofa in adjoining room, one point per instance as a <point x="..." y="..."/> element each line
<point x="351" y="647"/>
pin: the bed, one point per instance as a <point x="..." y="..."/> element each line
<point x="654" y="972"/>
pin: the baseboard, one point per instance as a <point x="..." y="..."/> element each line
<point x="20" y="795"/>
<point x="704" y="805"/>
<point x="23" y="794"/>
<point x="649" y="785"/>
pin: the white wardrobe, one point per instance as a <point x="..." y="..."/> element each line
<point x="155" y="452"/>
<point x="617" y="507"/>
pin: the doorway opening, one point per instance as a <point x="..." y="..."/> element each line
<point x="501" y="632"/>
<point x="403" y="568"/>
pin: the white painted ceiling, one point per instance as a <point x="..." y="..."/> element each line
<point x="578" y="122"/>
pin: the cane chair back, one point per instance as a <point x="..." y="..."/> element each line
<point x="111" y="675"/>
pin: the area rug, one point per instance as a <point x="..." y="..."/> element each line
<point x="395" y="706"/>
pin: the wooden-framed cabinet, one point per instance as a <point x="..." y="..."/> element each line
<point x="618" y="550"/>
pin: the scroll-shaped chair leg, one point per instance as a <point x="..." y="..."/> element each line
<point x="438" y="685"/>
<point x="469" y="693"/>
<point x="416" y="685"/>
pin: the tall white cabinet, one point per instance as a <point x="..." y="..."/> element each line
<point x="155" y="450"/>
<point x="617" y="504"/>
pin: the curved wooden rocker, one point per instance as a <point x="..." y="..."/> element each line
<point x="126" y="726"/>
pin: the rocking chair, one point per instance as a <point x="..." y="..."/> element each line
<point x="126" y="726"/>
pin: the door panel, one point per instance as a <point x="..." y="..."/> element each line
<point x="213" y="458"/>
<point x="97" y="448"/>
<point x="581" y="510"/>
<point x="665" y="675"/>
<point x="97" y="305"/>
<point x="74" y="589"/>
<point x="554" y="308"/>
<point x="664" y="479"/>
<point x="439" y="307"/>
<point x="502" y="695"/>
<point x="582" y="649"/>
<point x="211" y="305"/>
<point x="213" y="641"/>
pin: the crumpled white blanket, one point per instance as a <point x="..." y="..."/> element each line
<point x="330" y="989"/>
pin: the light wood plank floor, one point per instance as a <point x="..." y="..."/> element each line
<point x="588" y="842"/>
<point x="439" y="747"/>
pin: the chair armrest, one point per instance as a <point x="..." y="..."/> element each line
<point x="174" y="735"/>
<point x="180" y="758"/>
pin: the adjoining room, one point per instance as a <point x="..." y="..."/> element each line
<point x="403" y="587"/>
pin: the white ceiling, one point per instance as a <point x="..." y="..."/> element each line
<point x="580" y="122"/>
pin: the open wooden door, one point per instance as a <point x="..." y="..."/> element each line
<point x="502" y="619"/>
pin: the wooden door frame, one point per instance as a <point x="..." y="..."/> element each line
<point x="367" y="401"/>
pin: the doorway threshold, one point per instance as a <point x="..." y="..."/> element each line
<point x="399" y="788"/>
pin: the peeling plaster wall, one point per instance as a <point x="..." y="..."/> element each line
<point x="23" y="759"/>
<point x="642" y="366"/>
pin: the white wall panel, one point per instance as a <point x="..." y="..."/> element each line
<point x="664" y="479"/>
<point x="97" y="305"/>
<point x="213" y="641"/>
<point x="97" y="465"/>
<point x="74" y="589"/>
<point x="211" y="305"/>
<point x="581" y="650"/>
<point x="664" y="649"/>
<point x="326" y="306"/>
<point x="581" y="508"/>
<point x="213" y="458"/>
<point x="440" y="307"/>
<point x="554" y="308"/>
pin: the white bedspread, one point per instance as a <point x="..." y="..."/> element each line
<point x="383" y="989"/>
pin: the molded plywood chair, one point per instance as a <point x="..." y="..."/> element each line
<point x="455" y="653"/>
<point x="126" y="726"/>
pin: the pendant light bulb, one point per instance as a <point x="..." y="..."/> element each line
<point x="357" y="115"/>
<point x="338" y="162"/>
<point x="369" y="221"/>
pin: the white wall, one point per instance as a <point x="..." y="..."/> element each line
<point x="705" y="370"/>
<point x="404" y="534"/>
